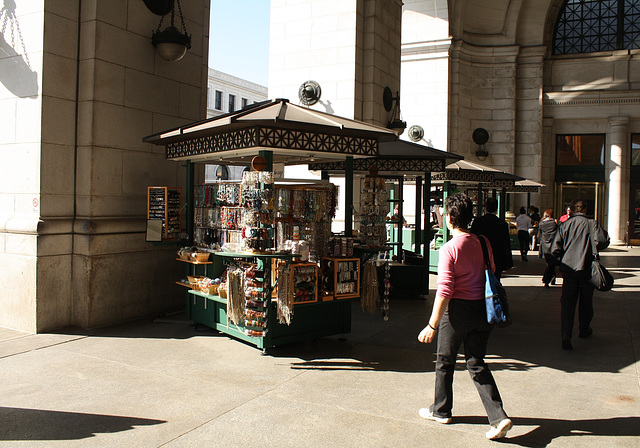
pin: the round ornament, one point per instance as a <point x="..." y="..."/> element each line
<point x="259" y="163"/>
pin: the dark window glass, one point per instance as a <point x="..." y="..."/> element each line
<point x="635" y="149"/>
<point x="587" y="26"/>
<point x="245" y="102"/>
<point x="232" y="103"/>
<point x="218" y="100"/>
<point x="575" y="150"/>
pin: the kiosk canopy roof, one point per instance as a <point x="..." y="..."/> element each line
<point x="294" y="134"/>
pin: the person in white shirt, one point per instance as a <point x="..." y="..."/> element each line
<point x="524" y="223"/>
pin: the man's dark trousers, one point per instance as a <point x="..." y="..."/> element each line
<point x="576" y="290"/>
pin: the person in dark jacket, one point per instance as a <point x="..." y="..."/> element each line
<point x="572" y="249"/>
<point x="547" y="229"/>
<point x="497" y="232"/>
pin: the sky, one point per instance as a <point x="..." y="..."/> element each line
<point x="239" y="39"/>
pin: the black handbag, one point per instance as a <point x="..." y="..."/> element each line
<point x="601" y="279"/>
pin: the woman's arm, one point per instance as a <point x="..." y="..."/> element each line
<point x="439" y="306"/>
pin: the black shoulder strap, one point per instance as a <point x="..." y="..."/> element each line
<point x="592" y="238"/>
<point x="483" y="243"/>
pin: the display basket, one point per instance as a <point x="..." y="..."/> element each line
<point x="201" y="256"/>
<point x="210" y="289"/>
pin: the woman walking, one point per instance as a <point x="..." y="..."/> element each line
<point x="459" y="313"/>
<point x="548" y="227"/>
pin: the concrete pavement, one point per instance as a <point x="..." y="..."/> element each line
<point x="152" y="384"/>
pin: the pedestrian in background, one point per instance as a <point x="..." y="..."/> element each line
<point x="566" y="215"/>
<point x="547" y="230"/>
<point x="497" y="232"/>
<point x="572" y="249"/>
<point x="459" y="311"/>
<point x="535" y="222"/>
<point x="523" y="223"/>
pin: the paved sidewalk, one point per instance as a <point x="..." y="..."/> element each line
<point x="151" y="384"/>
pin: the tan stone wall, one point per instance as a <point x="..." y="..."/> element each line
<point x="483" y="95"/>
<point x="79" y="256"/>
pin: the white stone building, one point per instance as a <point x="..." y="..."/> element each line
<point x="227" y="93"/>
<point x="570" y="121"/>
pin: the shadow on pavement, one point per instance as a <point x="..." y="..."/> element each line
<point x="41" y="424"/>
<point x="546" y="430"/>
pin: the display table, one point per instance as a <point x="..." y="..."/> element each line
<point x="309" y="321"/>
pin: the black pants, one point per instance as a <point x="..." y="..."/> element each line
<point x="550" y="271"/>
<point x="465" y="322"/>
<point x="523" y="237"/>
<point x="576" y="290"/>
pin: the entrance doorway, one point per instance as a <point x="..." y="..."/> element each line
<point x="634" y="215"/>
<point x="591" y="192"/>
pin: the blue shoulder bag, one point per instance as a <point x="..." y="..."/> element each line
<point x="494" y="293"/>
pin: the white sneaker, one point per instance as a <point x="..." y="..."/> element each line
<point x="426" y="413"/>
<point x="500" y="430"/>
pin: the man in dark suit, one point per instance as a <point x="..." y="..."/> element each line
<point x="571" y="247"/>
<point x="497" y="232"/>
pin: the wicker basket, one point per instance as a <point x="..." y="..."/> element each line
<point x="222" y="291"/>
<point x="195" y="278"/>
<point x="200" y="256"/>
<point x="210" y="289"/>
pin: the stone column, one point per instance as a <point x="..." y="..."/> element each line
<point x="615" y="166"/>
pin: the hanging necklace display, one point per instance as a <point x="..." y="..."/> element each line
<point x="387" y="288"/>
<point x="285" y="294"/>
<point x="370" y="296"/>
<point x="373" y="204"/>
<point x="258" y="214"/>
<point x="235" y="298"/>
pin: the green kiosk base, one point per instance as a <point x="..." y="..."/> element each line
<point x="309" y="320"/>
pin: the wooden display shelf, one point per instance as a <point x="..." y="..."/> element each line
<point x="331" y="280"/>
<point x="194" y="261"/>
<point x="293" y="283"/>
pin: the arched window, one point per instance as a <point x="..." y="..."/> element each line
<point x="586" y="26"/>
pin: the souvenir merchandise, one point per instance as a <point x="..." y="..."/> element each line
<point x="387" y="289"/>
<point x="370" y="295"/>
<point x="285" y="295"/>
<point x="258" y="211"/>
<point x="217" y="215"/>
<point x="341" y="277"/>
<point x="305" y="213"/>
<point x="373" y="209"/>
<point x="235" y="300"/>
<point x="305" y="282"/>
<point x="257" y="296"/>
<point x="164" y="204"/>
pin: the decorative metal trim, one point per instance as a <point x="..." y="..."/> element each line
<point x="396" y="165"/>
<point x="272" y="138"/>
<point x="468" y="176"/>
<point x="501" y="184"/>
<point x="563" y="102"/>
<point x="522" y="189"/>
<point x="587" y="26"/>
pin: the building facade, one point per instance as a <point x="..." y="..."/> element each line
<point x="567" y="119"/>
<point x="227" y="93"/>
<point x="81" y="84"/>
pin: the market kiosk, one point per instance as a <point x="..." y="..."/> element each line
<point x="398" y="163"/>
<point x="247" y="276"/>
<point x="473" y="179"/>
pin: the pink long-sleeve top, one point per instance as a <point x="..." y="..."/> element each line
<point x="461" y="268"/>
